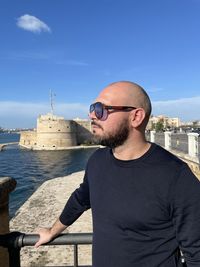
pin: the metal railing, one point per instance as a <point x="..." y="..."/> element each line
<point x="179" y="142"/>
<point x="15" y="241"/>
<point x="160" y="139"/>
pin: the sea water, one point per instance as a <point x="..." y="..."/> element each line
<point x="31" y="168"/>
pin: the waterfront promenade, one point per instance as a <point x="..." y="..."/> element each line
<point x="41" y="210"/>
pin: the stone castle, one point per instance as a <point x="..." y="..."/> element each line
<point x="55" y="133"/>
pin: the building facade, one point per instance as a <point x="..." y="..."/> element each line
<point x="167" y="122"/>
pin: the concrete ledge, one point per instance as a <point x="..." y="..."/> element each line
<point x="59" y="148"/>
<point x="7" y="144"/>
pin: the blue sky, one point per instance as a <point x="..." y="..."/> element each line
<point x="77" y="47"/>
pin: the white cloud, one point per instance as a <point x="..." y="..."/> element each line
<point x="185" y="108"/>
<point x="32" y="24"/>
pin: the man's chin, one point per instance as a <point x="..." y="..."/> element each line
<point x="96" y="138"/>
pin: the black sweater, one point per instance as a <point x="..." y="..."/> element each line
<point x="143" y="209"/>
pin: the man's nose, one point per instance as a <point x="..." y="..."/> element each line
<point x="92" y="115"/>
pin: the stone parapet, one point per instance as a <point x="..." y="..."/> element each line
<point x="167" y="140"/>
<point x="7" y="185"/>
<point x="193" y="149"/>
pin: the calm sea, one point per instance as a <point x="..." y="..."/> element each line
<point x="32" y="168"/>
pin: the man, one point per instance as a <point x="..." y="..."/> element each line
<point x="145" y="201"/>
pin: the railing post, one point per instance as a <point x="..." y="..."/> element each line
<point x="193" y="146"/>
<point x="168" y="140"/>
<point x="152" y="136"/>
<point x="75" y="255"/>
<point x="7" y="185"/>
<point x="14" y="257"/>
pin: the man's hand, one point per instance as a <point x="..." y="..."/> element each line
<point x="47" y="234"/>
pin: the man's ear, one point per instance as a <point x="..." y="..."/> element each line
<point x="137" y="117"/>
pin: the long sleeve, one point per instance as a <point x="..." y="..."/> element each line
<point x="187" y="216"/>
<point x="78" y="202"/>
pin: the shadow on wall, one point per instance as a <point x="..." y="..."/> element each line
<point x="84" y="136"/>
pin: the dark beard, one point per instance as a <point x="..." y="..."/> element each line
<point x="116" y="139"/>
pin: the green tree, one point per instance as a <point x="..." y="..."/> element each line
<point x="159" y="126"/>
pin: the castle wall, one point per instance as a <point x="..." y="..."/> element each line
<point x="83" y="131"/>
<point x="28" y="139"/>
<point x="54" y="132"/>
<point x="56" y="140"/>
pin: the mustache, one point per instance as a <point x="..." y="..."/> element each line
<point x="96" y="124"/>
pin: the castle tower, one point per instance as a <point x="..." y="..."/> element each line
<point x="54" y="132"/>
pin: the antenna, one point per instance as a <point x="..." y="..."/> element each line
<point x="52" y="96"/>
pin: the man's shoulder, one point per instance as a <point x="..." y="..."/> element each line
<point x="165" y="166"/>
<point x="162" y="155"/>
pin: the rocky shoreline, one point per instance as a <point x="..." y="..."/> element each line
<point x="41" y="210"/>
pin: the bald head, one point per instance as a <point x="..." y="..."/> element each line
<point x="128" y="94"/>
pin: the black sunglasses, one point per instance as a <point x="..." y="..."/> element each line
<point x="101" y="110"/>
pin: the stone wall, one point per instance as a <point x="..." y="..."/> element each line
<point x="28" y="139"/>
<point x="83" y="132"/>
<point x="7" y="185"/>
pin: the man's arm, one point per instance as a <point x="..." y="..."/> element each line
<point x="47" y="234"/>
<point x="187" y="216"/>
<point x="78" y="202"/>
